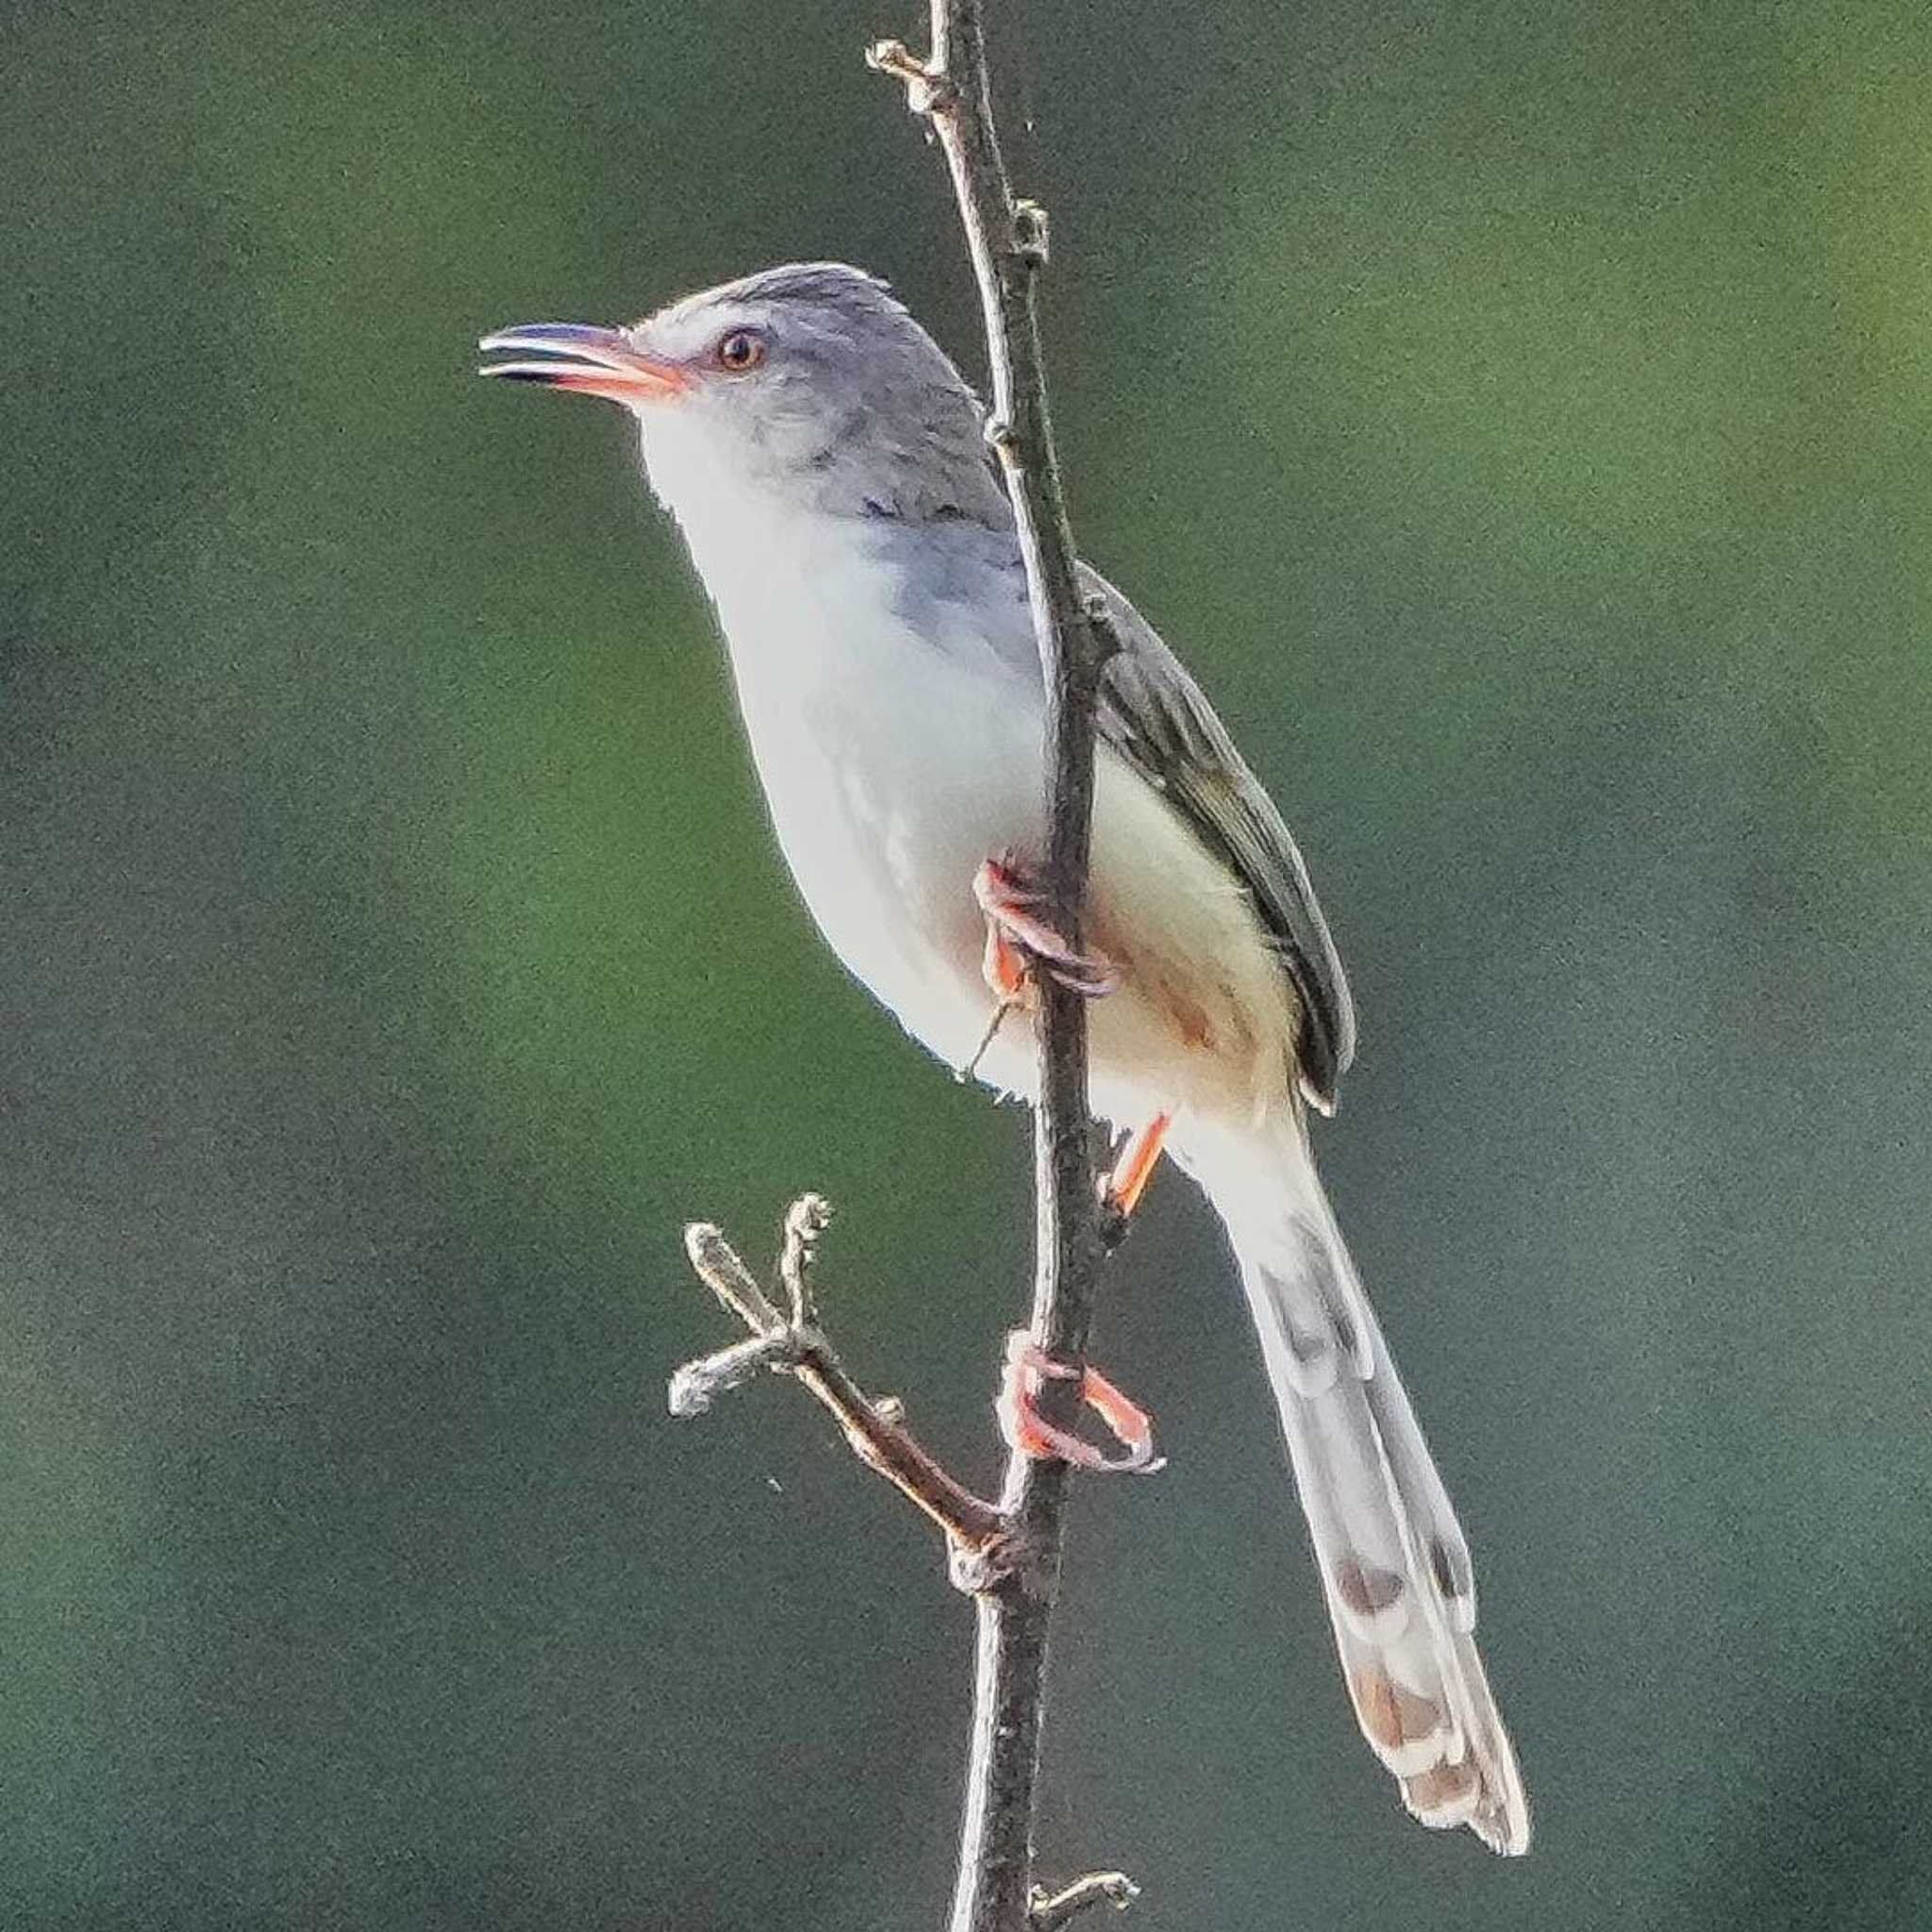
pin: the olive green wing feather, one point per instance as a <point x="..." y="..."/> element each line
<point x="1155" y="716"/>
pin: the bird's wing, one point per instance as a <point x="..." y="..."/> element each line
<point x="1155" y="716"/>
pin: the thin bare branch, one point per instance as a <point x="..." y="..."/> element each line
<point x="1007" y="242"/>
<point x="1009" y="1558"/>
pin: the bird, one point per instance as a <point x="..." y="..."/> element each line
<point x="827" y="465"/>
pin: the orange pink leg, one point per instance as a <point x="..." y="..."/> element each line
<point x="1019" y="939"/>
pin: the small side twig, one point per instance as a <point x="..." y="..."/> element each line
<point x="793" y="1345"/>
<point x="1113" y="1888"/>
<point x="806" y="1219"/>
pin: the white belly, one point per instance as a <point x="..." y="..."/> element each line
<point x="892" y="770"/>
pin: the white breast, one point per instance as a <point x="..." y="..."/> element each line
<point x="891" y="766"/>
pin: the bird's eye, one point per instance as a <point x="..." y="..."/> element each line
<point x="742" y="349"/>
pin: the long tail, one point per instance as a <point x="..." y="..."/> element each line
<point x="1395" y="1567"/>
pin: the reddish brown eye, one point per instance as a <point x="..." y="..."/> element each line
<point x="742" y="349"/>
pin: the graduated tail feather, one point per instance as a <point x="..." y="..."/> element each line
<point x="1394" y="1565"/>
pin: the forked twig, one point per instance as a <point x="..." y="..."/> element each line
<point x="793" y="1345"/>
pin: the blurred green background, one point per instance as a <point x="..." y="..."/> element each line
<point x="1521" y="415"/>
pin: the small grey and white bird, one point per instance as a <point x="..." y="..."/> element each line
<point x="826" y="463"/>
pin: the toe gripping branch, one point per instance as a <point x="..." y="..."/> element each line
<point x="1029" y="1367"/>
<point x="1021" y="941"/>
<point x="1021" y="938"/>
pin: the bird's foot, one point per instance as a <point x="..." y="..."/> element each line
<point x="1021" y="940"/>
<point x="1027" y="1371"/>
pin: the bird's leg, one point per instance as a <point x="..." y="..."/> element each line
<point x="1019" y="942"/>
<point x="1019" y="939"/>
<point x="1028" y="1368"/>
<point x="1139" y="1154"/>
<point x="1005" y="971"/>
<point x="996" y="1019"/>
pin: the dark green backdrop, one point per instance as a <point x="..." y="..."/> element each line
<point x="1519" y="413"/>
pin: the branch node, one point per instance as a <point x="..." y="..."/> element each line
<point x="1045" y="1913"/>
<point x="1001" y="437"/>
<point x="1101" y="628"/>
<point x="928" y="91"/>
<point x="976" y="1569"/>
<point x="1030" y="233"/>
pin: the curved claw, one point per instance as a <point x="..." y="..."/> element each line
<point x="1018" y="936"/>
<point x="1025" y="1428"/>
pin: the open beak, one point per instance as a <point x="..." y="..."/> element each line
<point x="575" y="354"/>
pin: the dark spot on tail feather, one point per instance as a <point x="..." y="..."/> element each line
<point x="1307" y="1349"/>
<point x="1444" y="1786"/>
<point x="1392" y="1714"/>
<point x="1320" y="1265"/>
<point x="1366" y="1587"/>
<point x="1449" y="1565"/>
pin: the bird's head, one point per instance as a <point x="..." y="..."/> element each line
<point x="808" y="385"/>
